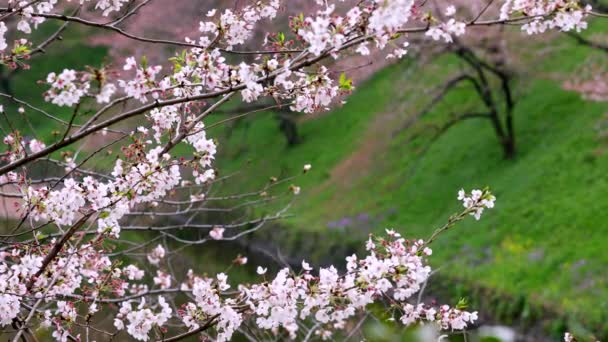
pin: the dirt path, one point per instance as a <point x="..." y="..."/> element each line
<point x="369" y="148"/>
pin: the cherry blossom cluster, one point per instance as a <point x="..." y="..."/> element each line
<point x="393" y="270"/>
<point x="76" y="272"/>
<point x="195" y="72"/>
<point x="205" y="150"/>
<point x="3" y="30"/>
<point x="69" y="87"/>
<point x="564" y="15"/>
<point x="203" y="69"/>
<point x="568" y="337"/>
<point x="65" y="89"/>
<point x="235" y="28"/>
<point x="140" y="321"/>
<point x="199" y="71"/>
<point x="142" y="182"/>
<point x="26" y="10"/>
<point x="311" y="93"/>
<point x="144" y="79"/>
<point x="15" y="148"/>
<point x="446" y="317"/>
<point x="144" y="177"/>
<point x="448" y="29"/>
<point x="328" y="31"/>
<point x="477" y="201"/>
<point x="30" y="11"/>
<point x="9" y="178"/>
<point x="18" y="148"/>
<point x="21" y="276"/>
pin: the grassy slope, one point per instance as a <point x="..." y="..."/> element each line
<point x="547" y="235"/>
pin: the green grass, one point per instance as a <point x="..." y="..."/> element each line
<point x="546" y="237"/>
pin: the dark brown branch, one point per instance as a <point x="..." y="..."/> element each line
<point x="122" y="32"/>
<point x="211" y="322"/>
<point x="57" y="248"/>
<point x="584" y="41"/>
<point x="445" y="89"/>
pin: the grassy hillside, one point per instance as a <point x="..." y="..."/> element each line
<point x="546" y="238"/>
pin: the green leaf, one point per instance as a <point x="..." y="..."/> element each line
<point x="345" y="83"/>
<point x="462" y="304"/>
<point x="21" y="50"/>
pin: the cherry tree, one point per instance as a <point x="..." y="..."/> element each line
<point x="496" y="96"/>
<point x="73" y="253"/>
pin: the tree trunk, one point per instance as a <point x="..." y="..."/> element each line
<point x="289" y="127"/>
<point x="508" y="146"/>
<point x="5" y="81"/>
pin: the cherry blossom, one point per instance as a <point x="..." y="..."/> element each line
<point x="10" y="306"/>
<point x="105" y="93"/>
<point x="162" y="279"/>
<point x="66" y="90"/>
<point x="3" y="31"/>
<point x="217" y="233"/>
<point x="157" y="254"/>
<point x="568" y="337"/>
<point x="565" y="15"/>
<point x="446" y="30"/>
<point x="476" y="201"/>
<point x="36" y="146"/>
